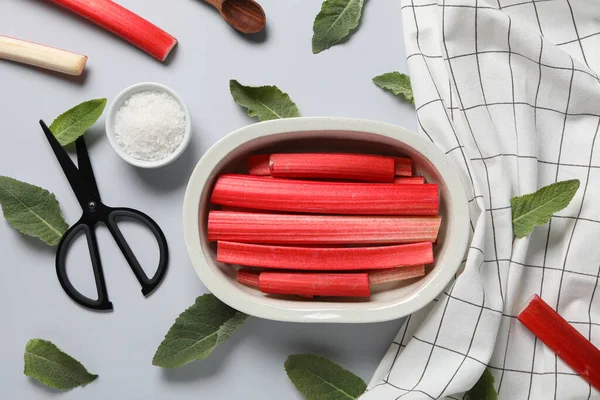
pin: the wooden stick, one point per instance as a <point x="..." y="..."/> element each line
<point x="42" y="56"/>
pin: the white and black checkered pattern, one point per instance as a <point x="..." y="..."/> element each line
<point x="509" y="89"/>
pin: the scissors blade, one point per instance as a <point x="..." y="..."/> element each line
<point x="85" y="166"/>
<point x="71" y="171"/>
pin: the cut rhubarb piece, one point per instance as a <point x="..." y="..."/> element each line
<point x="244" y="210"/>
<point x="315" y="284"/>
<point x="410" y="180"/>
<point x="250" y="210"/>
<point x="356" y="167"/>
<point x="248" y="277"/>
<point x="125" y="24"/>
<point x="325" y="197"/>
<point x="325" y="284"/>
<point x="322" y="258"/>
<point x="570" y="345"/>
<point x="255" y="227"/>
<point x="340" y="166"/>
<point x="259" y="165"/>
<point x="396" y="274"/>
<point x="251" y="278"/>
<point x="403" y="166"/>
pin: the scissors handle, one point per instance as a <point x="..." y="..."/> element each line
<point x="87" y="227"/>
<point x="148" y="284"/>
<point x="102" y="303"/>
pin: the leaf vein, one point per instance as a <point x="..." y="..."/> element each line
<point x="339" y="16"/>
<point x="332" y="385"/>
<point x="58" y="233"/>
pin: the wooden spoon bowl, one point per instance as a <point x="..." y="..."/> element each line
<point x="246" y="16"/>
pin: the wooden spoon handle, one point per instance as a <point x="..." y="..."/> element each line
<point x="42" y="56"/>
<point x="218" y="4"/>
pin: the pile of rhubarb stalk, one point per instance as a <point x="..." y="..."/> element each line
<point x="324" y="224"/>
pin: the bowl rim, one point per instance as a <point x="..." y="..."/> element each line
<point x="118" y="101"/>
<point x="249" y="304"/>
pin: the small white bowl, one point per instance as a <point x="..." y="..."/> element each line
<point x="327" y="134"/>
<point x="124" y="96"/>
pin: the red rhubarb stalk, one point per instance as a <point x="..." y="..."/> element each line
<point x="244" y="210"/>
<point x="254" y="227"/>
<point x="325" y="284"/>
<point x="248" y="277"/>
<point x="570" y="345"/>
<point x="410" y="180"/>
<point x="259" y="165"/>
<point x="315" y="284"/>
<point x="403" y="166"/>
<point x="125" y="24"/>
<point x="396" y="274"/>
<point x="325" y="197"/>
<point x="322" y="258"/>
<point x="356" y="167"/>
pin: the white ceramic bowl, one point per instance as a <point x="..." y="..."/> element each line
<point x="124" y="96"/>
<point x="327" y="134"/>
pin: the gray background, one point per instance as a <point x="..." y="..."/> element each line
<point x="119" y="346"/>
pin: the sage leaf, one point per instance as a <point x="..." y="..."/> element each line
<point x="197" y="331"/>
<point x="317" y="378"/>
<point x="73" y="123"/>
<point x="47" y="364"/>
<point x="337" y="19"/>
<point x="536" y="209"/>
<point x="483" y="389"/>
<point x="32" y="210"/>
<point x="397" y="83"/>
<point x="264" y="102"/>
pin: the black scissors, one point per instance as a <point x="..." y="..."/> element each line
<point x="84" y="186"/>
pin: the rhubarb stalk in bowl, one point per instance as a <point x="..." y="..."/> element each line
<point x="320" y="229"/>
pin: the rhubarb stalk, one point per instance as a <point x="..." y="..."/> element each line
<point x="42" y="56"/>
<point x="410" y="180"/>
<point x="356" y="167"/>
<point x="325" y="284"/>
<point x="315" y="284"/>
<point x="297" y="164"/>
<point x="248" y="277"/>
<point x="125" y="24"/>
<point x="325" y="197"/>
<point x="403" y="166"/>
<point x="251" y="278"/>
<point x="396" y="274"/>
<point x="255" y="227"/>
<point x="570" y="345"/>
<point x="323" y="258"/>
<point x="259" y="165"/>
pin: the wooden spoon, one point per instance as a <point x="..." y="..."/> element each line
<point x="246" y="16"/>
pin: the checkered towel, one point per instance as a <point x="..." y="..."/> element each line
<point x="509" y="90"/>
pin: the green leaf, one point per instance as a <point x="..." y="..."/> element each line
<point x="264" y="102"/>
<point x="47" y="364"/>
<point x="483" y="389"/>
<point x="71" y="124"/>
<point x="317" y="378"/>
<point x="536" y="209"/>
<point x="337" y="19"/>
<point x="397" y="83"/>
<point x="197" y="331"/>
<point x="32" y="210"/>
